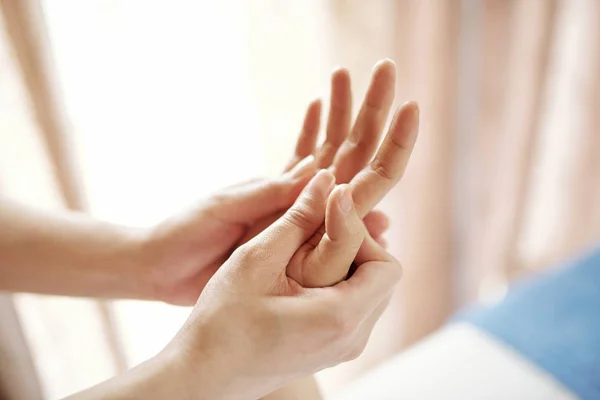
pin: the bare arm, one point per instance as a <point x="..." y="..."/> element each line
<point x="68" y="254"/>
<point x="303" y="389"/>
<point x="154" y="379"/>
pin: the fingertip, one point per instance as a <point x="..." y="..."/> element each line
<point x="411" y="108"/>
<point x="384" y="66"/>
<point x="315" y="105"/>
<point x="340" y="83"/>
<point x="321" y="184"/>
<point x="405" y="125"/>
<point x="384" y="219"/>
<point x="340" y="73"/>
<point x="305" y="168"/>
<point x="382" y="87"/>
<point x="382" y="242"/>
<point x="310" y="128"/>
<point x="377" y="222"/>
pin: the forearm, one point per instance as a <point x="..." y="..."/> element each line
<point x="158" y="378"/>
<point x="303" y="389"/>
<point x="68" y="254"/>
<point x="204" y="370"/>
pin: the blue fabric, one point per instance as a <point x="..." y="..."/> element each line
<point x="554" y="321"/>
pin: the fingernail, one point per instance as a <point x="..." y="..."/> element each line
<point x="346" y="200"/>
<point x="304" y="168"/>
<point x="321" y="184"/>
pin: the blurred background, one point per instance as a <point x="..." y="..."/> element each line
<point x="129" y="110"/>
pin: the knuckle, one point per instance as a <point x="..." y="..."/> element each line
<point x="249" y="254"/>
<point x="356" y="350"/>
<point x="360" y="148"/>
<point x="397" y="271"/>
<point x="301" y="217"/>
<point x="242" y="254"/>
<point x="341" y="324"/>
<point x="327" y="152"/>
<point x="382" y="170"/>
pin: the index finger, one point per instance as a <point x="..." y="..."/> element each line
<point x="372" y="183"/>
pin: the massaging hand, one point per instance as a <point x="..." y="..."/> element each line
<point x="259" y="320"/>
<point x="183" y="252"/>
<point x="254" y="328"/>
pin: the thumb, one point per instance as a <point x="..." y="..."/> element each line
<point x="301" y="221"/>
<point x="250" y="201"/>
<point x="330" y="261"/>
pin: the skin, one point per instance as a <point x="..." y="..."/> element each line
<point x="254" y="328"/>
<point x="346" y="151"/>
<point x="233" y="242"/>
<point x="279" y="329"/>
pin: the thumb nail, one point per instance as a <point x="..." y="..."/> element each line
<point x="346" y="201"/>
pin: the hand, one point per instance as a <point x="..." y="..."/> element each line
<point x="184" y="251"/>
<point x="347" y="153"/>
<point x="181" y="254"/>
<point x="255" y="329"/>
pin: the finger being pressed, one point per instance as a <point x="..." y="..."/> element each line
<point x="286" y="235"/>
<point x="307" y="140"/>
<point x="328" y="263"/>
<point x="339" y="118"/>
<point x="371" y="184"/>
<point x="362" y="142"/>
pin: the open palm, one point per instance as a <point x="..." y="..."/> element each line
<point x="186" y="250"/>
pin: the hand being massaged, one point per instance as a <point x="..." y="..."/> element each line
<point x="183" y="252"/>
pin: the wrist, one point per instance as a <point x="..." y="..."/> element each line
<point x="156" y="266"/>
<point x="164" y="376"/>
<point x="212" y="360"/>
<point x="170" y="376"/>
<point x="133" y="265"/>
